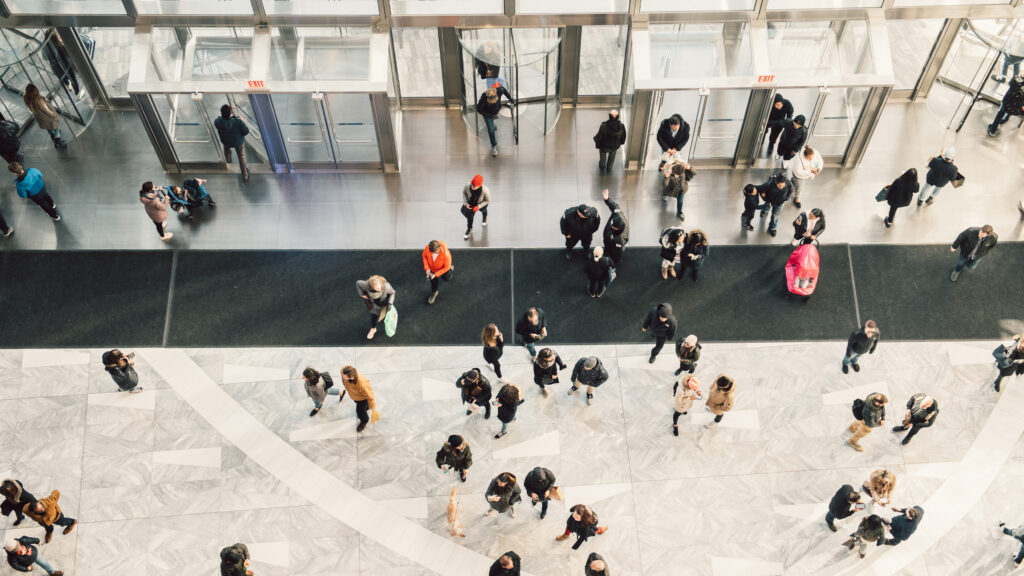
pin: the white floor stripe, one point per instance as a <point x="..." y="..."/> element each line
<point x="847" y="395"/>
<point x="234" y="373"/>
<point x="276" y="553"/>
<point x="344" y="428"/>
<point x="41" y="358"/>
<point x="199" y="457"/>
<point x="145" y="400"/>
<point x="343" y="502"/>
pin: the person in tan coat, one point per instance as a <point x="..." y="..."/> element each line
<point x="720" y="398"/>
<point x="684" y="395"/>
<point x="46" y="117"/>
<point x="359" y="390"/>
<point x="879" y="486"/>
<point x="47" y="513"/>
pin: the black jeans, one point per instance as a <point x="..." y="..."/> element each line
<point x="1004" y="372"/>
<point x="4" y="228"/>
<point x="659" y="343"/>
<point x="45" y="202"/>
<point x="469" y="214"/>
<point x="585" y="241"/>
<point x="892" y="213"/>
<point x="607" y="158"/>
<point x="159" y="228"/>
<point x="1020" y="555"/>
<point x="595" y="286"/>
<point x="675" y="417"/>
<point x="446" y="277"/>
<point x="61" y="520"/>
<point x="361" y="411"/>
<point x="543" y="505"/>
<point x="915" y="428"/>
<point x="773" y="135"/>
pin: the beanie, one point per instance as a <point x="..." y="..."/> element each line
<point x="11" y="545"/>
<point x="477" y="181"/>
<point x="455" y="440"/>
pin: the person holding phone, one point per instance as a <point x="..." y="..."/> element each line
<point x="121" y="368"/>
<point x="684" y="396"/>
<point x="844" y="503"/>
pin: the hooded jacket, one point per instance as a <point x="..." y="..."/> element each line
<point x="498" y="570"/>
<point x="156" y="204"/>
<point x="777" y="116"/>
<point x="792" y="139"/>
<point x="492" y="109"/>
<point x="720" y="400"/>
<point x="861" y="343"/>
<point x="902" y="527"/>
<point x="659" y="329"/>
<point x="1013" y="100"/>
<point x="672" y="241"/>
<point x="474" y="392"/>
<point x="14" y="493"/>
<point x="577" y="227"/>
<point x="507" y="497"/>
<point x="538" y="481"/>
<point x="616" y="229"/>
<point x="840" y="505"/>
<point x="968" y="239"/>
<point x="688" y="357"/>
<point x="871" y="531"/>
<point x="697" y="245"/>
<point x="611" y="135"/>
<point x="873" y="417"/>
<point x="360" y="390"/>
<point x="593" y="377"/>
<point x="454" y="458"/>
<point x="902" y="189"/>
<point x="232" y="560"/>
<point x="665" y="138"/>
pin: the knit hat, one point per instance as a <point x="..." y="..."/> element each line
<point x="949" y="153"/>
<point x="477" y="181"/>
<point x="455" y="440"/>
<point x="690" y="341"/>
<point x="11" y="545"/>
<point x="692" y="383"/>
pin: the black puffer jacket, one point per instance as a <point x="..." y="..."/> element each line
<point x="538" y="481"/>
<point x="777" y="116"/>
<point x="611" y="135"/>
<point x="577" y="227"/>
<point x="597" y="269"/>
<point x="474" y="392"/>
<point x="902" y="189"/>
<point x="616" y="230"/>
<point x="594" y="377"/>
<point x="665" y="138"/>
<point x="659" y="329"/>
<point x="1013" y="100"/>
<point x="770" y="191"/>
<point x="792" y="138"/>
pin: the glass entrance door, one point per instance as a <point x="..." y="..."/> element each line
<point x="327" y="130"/>
<point x="715" y="124"/>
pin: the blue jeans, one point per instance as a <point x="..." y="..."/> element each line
<point x="530" y="347"/>
<point x="504" y="427"/>
<point x="1011" y="61"/>
<point x="1020" y="555"/>
<point x="851" y="358"/>
<point x="332" y="390"/>
<point x="42" y="564"/>
<point x="929" y="190"/>
<point x="679" y="203"/>
<point x="776" y="212"/>
<point x="490" y="131"/>
<point x="962" y="262"/>
<point x="54" y="134"/>
<point x="1001" y="117"/>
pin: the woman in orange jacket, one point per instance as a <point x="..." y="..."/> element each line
<point x="437" y="263"/>
<point x="359" y="389"/>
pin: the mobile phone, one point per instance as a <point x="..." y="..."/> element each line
<point x="130" y="356"/>
<point x="860" y="506"/>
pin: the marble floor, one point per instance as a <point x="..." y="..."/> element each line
<point x="219" y="448"/>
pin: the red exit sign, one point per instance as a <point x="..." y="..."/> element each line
<point x="259" y="83"/>
<point x="760" y="79"/>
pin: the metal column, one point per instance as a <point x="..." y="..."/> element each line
<point x="937" y="56"/>
<point x="748" y="148"/>
<point x="639" y="126"/>
<point x="386" y="137"/>
<point x="869" y="119"/>
<point x="82" y="64"/>
<point x="160" y="139"/>
<point x="273" y="139"/>
<point x="451" y="66"/>
<point x="570" y="79"/>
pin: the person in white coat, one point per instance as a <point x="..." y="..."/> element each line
<point x="684" y="391"/>
<point x="804" y="167"/>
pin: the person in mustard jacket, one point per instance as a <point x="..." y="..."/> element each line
<point x="47" y="513"/>
<point x="359" y="390"/>
<point x="720" y="398"/>
<point x="437" y="263"/>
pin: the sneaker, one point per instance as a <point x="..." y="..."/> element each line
<point x="485" y="223"/>
<point x="771" y="232"/>
<point x="490" y="513"/>
<point x="601" y="293"/>
<point x="135" y="390"/>
<point x="992" y="132"/>
<point x="681" y="216"/>
<point x="494" y="151"/>
<point x="499" y="435"/>
<point x="905" y="441"/>
<point x="462" y="475"/>
<point x="750" y="228"/>
<point x="710" y="424"/>
<point x="512" y="512"/>
<point x="886" y="222"/>
<point x="371" y="333"/>
<point x="432" y="298"/>
<point x="678" y="372"/>
<point x="48" y="537"/>
<point x="361" y="427"/>
<point x="590" y="399"/>
<point x="9" y="232"/>
<point x="795" y="242"/>
<point x="469" y="232"/>
<point x="846" y="369"/>
<point x="856" y="367"/>
<point x="167" y="236"/>
<point x="71" y="527"/>
<point x="213" y="204"/>
<point x="930" y="200"/>
<point x="313" y="412"/>
<point x="468" y="412"/>
<point x="832" y="527"/>
<point x="18" y="521"/>
<point x="796" y="202"/>
<point x="572" y="390"/>
<point x="999" y="78"/>
<point x="953" y="276"/>
<point x="920" y="202"/>
<point x="651" y="359"/>
<point x="55" y="218"/>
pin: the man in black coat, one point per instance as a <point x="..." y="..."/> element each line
<point x="15" y="499"/>
<point x="10" y="144"/>
<point x="532" y="328"/>
<point x="841" y="506"/>
<point x="21" y="555"/>
<point x="973" y="244"/>
<point x="921" y="412"/>
<point x="589" y="372"/>
<point x="662" y="324"/>
<point x="508" y="565"/>
<point x="610" y="136"/>
<point x="596" y="566"/>
<point x="673" y="134"/>
<point x="794" y="135"/>
<point x="862" y="341"/>
<point x="782" y="110"/>
<point x="1012" y="105"/>
<point x="616" y="230"/>
<point x="903" y="526"/>
<point x="578" y="224"/>
<point x="539" y="483"/>
<point x="773" y="195"/>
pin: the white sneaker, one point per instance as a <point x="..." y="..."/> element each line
<point x="167" y="236"/>
<point x="485" y="223"/>
<point x="512" y="512"/>
<point x="135" y="390"/>
<point x="795" y="242"/>
<point x="9" y="232"/>
<point x="494" y="151"/>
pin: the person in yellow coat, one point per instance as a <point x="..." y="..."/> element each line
<point x="360" y="391"/>
<point x="720" y="398"/>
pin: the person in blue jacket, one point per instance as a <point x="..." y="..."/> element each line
<point x="30" y="185"/>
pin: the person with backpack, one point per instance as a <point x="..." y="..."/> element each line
<point x="232" y="132"/>
<point x="475" y="198"/>
<point x="869" y="414"/>
<point x="662" y="324"/>
<point x="673" y="134"/>
<point x="589" y="372"/>
<point x="360" y="391"/>
<point x="437" y="263"/>
<point x="545" y="369"/>
<point x="672" y="240"/>
<point x="1012" y="105"/>
<point x="862" y="341"/>
<point x="507" y="401"/>
<point x="318" y="385"/>
<point x="900" y="193"/>
<point x="29" y="184"/>
<point x="532" y="328"/>
<point x="22" y="554"/>
<point x="503" y="493"/>
<point x="156" y="203"/>
<point x="455" y="454"/>
<point x="616" y="230"/>
<point x="476" y="392"/>
<point x="10" y="143"/>
<point x="688" y="353"/>
<point x="578" y="225"/>
<point x="540" y="484"/>
<point x="609" y="138"/>
<point x="121" y="368"/>
<point x="941" y="171"/>
<point x="234" y="561"/>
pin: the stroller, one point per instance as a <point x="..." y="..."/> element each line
<point x="191" y="194"/>
<point x="802" y="271"/>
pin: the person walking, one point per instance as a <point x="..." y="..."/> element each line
<point x="904" y="525"/>
<point x="15" y="499"/>
<point x="29" y="184"/>
<point x="232" y="132"/>
<point x="793" y="138"/>
<point x="780" y="112"/>
<point x="489" y="107"/>
<point x="235" y="560"/>
<point x="5" y="230"/>
<point x="688" y="353"/>
<point x="437" y="263"/>
<point x="974" y="243"/>
<point x="10" y="142"/>
<point x="598" y="269"/>
<point x="476" y="392"/>
<point x="47" y="513"/>
<point x="578" y="225"/>
<point x="808" y="226"/>
<point x="475" y="198"/>
<point x="774" y="193"/>
<point x="596" y="566"/>
<point x="60" y="63"/>
<point x="540" y="484"/>
<point x="456" y="455"/>
<point x="880" y="486"/>
<point x="941" y="171"/>
<point x="694" y="254"/>
<point x="843" y="505"/>
<point x="870" y="530"/>
<point x="673" y="134"/>
<point x="611" y="135"/>
<point x="532" y="328"/>
<point x="503" y="493"/>
<point x="22" y="555"/>
<point x="921" y="412"/>
<point x="684" y="396"/>
<point x="44" y="113"/>
<point x="507" y="401"/>
<point x="582" y="522"/>
<point x="720" y="398"/>
<point x="508" y="564"/>
<point x="545" y="369"/>
<point x="672" y="241"/>
<point x="121" y="368"/>
<point x="804" y="167"/>
<point x="900" y="193"/>
<point x="862" y="341"/>
<point x="616" y="230"/>
<point x="494" y="347"/>
<point x="1011" y="105"/>
<point x="1012" y="361"/>
<point x="662" y="324"/>
<point x="676" y="185"/>
<point x="318" y="385"/>
<point x="379" y="297"/>
<point x="1017" y="533"/>
<point x="589" y="372"/>
<point x="872" y="415"/>
<point x="156" y="203"/>
<point x="360" y="391"/>
<point x="751" y="198"/>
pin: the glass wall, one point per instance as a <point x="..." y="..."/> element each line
<point x="911" y="42"/>
<point x="322" y="7"/>
<point x="816" y="49"/>
<point x="903" y="3"/>
<point x="695" y="5"/>
<point x="112" y="53"/>
<point x="700" y="50"/>
<point x="818" y="4"/>
<point x="418" y="59"/>
<point x="217" y="54"/>
<point x="336" y="53"/>
<point x="194" y="7"/>
<point x="446" y="7"/>
<point x="571" y="6"/>
<point x="89" y="7"/>
<point x="602" y="56"/>
<point x="838" y="117"/>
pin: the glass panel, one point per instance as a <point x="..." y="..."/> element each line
<point x="217" y="54"/>
<point x="321" y="54"/>
<point x="301" y="127"/>
<point x="817" y="4"/>
<point x="446" y="7"/>
<point x="194" y="7"/>
<point x="911" y="42"/>
<point x="184" y="124"/>
<point x="700" y="50"/>
<point x="115" y="7"/>
<point x="723" y="119"/>
<point x="325" y="7"/>
<point x="838" y="118"/>
<point x="602" y="55"/>
<point x="681" y="102"/>
<point x="819" y="48"/>
<point x="353" y="128"/>
<point x="256" y="152"/>
<point x="111" y="51"/>
<point x="695" y="5"/>
<point x="571" y="6"/>
<point x="418" y="58"/>
<point x="901" y="3"/>
<point x="552" y="103"/>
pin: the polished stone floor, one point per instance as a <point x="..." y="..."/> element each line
<point x="219" y="448"/>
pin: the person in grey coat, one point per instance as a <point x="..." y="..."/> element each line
<point x="589" y="372"/>
<point x="596" y="566"/>
<point x="1017" y="533"/>
<point x="539" y="484"/>
<point x="378" y="296"/>
<point x="121" y="368"/>
<point x="503" y="494"/>
<point x="318" y="385"/>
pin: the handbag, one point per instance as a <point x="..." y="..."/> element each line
<point x="958" y="181"/>
<point x="391" y="321"/>
<point x="882" y="195"/>
<point x="556" y="493"/>
<point x="611" y="275"/>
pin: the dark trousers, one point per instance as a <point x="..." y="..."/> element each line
<point x="543" y="506"/>
<point x="61" y="520"/>
<point x="773" y="136"/>
<point x="1020" y="555"/>
<point x="659" y="343"/>
<point x="240" y="150"/>
<point x="160" y="228"/>
<point x="585" y="241"/>
<point x="915" y="428"/>
<point x="4" y="228"/>
<point x="485" y="405"/>
<point x="892" y="213"/>
<point x="6" y="507"/>
<point x="374" y="319"/>
<point x="45" y="202"/>
<point x="675" y="417"/>
<point x="607" y="158"/>
<point x="830" y="518"/>
<point x="1001" y="117"/>
<point x="613" y="252"/>
<point x="595" y="286"/>
<point x="746" y="217"/>
<point x="1004" y="372"/>
<point x="361" y="411"/>
<point x="962" y="262"/>
<point x="446" y="276"/>
<point x="469" y="214"/>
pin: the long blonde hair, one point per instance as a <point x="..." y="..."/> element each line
<point x="380" y="281"/>
<point x="489" y="336"/>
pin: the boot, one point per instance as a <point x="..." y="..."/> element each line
<point x="848" y="543"/>
<point x="853" y="427"/>
<point x="561" y="537"/>
<point x="853" y="444"/>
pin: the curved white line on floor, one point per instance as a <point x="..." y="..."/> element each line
<point x="319" y="487"/>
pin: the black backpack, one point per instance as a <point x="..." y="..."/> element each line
<point x="858" y="409"/>
<point x="328" y="381"/>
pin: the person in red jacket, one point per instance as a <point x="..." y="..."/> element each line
<point x="437" y="263"/>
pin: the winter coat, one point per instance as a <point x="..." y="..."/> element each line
<point x="581" y="529"/>
<point x="1013" y="100"/>
<point x="940" y="172"/>
<point x="902" y="191"/>
<point x="860" y="343"/>
<point x="881" y="483"/>
<point x="385" y="300"/>
<point x="616" y="238"/>
<point x="595" y="556"/>
<point x="492" y="109"/>
<point x="801" y="222"/>
<point x="902" y="527"/>
<point x="873" y="417"/>
<point x="14" y="494"/>
<point x="440" y="265"/>
<point x="792" y="139"/>
<point x="670" y="243"/>
<point x="676" y="186"/>
<point x="611" y="135"/>
<point x="776" y="117"/>
<point x="156" y="203"/>
<point x="549" y="375"/>
<point x="924" y="414"/>
<point x="478" y="392"/>
<point x="479" y="198"/>
<point x="659" y="329"/>
<point x="124" y="376"/>
<point x="597" y="270"/>
<point x="498" y="570"/>
<point x="688" y="357"/>
<point x="10" y="144"/>
<point x="696" y="245"/>
<point x="683" y="396"/>
<point x="529" y="332"/>
<point x="232" y="560"/>
<point x="22" y="563"/>
<point x="772" y="194"/>
<point x="870" y="533"/>
<point x="538" y="481"/>
<point x="30" y="183"/>
<point x="720" y="401"/>
<point x="577" y="227"/>
<point x="677" y="142"/>
<point x="840" y="505"/>
<point x="493" y="353"/>
<point x="750" y="201"/>
<point x="360" y="390"/>
<point x="232" y="131"/>
<point x="508" y="400"/>
<point x="51" y="511"/>
<point x="46" y="117"/>
<point x="317" y="391"/>
<point x="508" y="497"/>
<point x="968" y="239"/>
<point x="457" y="460"/>
<point x="593" y="377"/>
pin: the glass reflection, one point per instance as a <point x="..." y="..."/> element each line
<point x="702" y="50"/>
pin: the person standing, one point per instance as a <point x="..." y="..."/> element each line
<point x="30" y="185"/>
<point x="318" y="385"/>
<point x="781" y="111"/>
<point x="5" y="230"/>
<point x="475" y="198"/>
<point x="540" y="485"/>
<point x="47" y="513"/>
<point x="494" y="347"/>
<point x="900" y="193"/>
<point x="1012" y="361"/>
<point x="843" y="505"/>
<point x="596" y="566"/>
<point x="720" y="398"/>
<point x="804" y="167"/>
<point x="861" y="341"/>
<point x="1017" y="533"/>
<point x="578" y="225"/>
<point x="662" y="324"/>
<point x="476" y="392"/>
<point x="509" y="564"/>
<point x="598" y="269"/>
<point x="610" y="136"/>
<point x="121" y="368"/>
<point x="455" y="454"/>
<point x="360" y="391"/>
<point x="673" y="134"/>
<point x="532" y="328"/>
<point x="688" y="353"/>
<point x="502" y="494"/>
<point x="974" y="243"/>
<point x="694" y="254"/>
<point x="921" y="412"/>
<point x="22" y="554"/>
<point x="903" y="526"/>
<point x="437" y="263"/>
<point x="751" y="198"/>
<point x="232" y="132"/>
<point x="941" y="171"/>
<point x="774" y="193"/>
<point x="379" y="297"/>
<point x="589" y="372"/>
<point x="507" y="401"/>
<point x="672" y="241"/>
<point x="793" y="138"/>
<point x="10" y="143"/>
<point x="870" y="530"/>
<point x="676" y="185"/>
<point x="234" y="560"/>
<point x="616" y="230"/>
<point x="45" y="115"/>
<point x="582" y="522"/>
<point x="545" y="369"/>
<point x="880" y="486"/>
<point x="489" y="106"/>
<point x="872" y="415"/>
<point x="808" y="226"/>
<point x="15" y="499"/>
<point x="156" y="203"/>
<point x="684" y="396"/>
<point x="1012" y="105"/>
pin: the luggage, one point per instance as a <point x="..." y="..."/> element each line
<point x="802" y="270"/>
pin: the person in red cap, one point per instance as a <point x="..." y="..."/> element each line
<point x="475" y="198"/>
